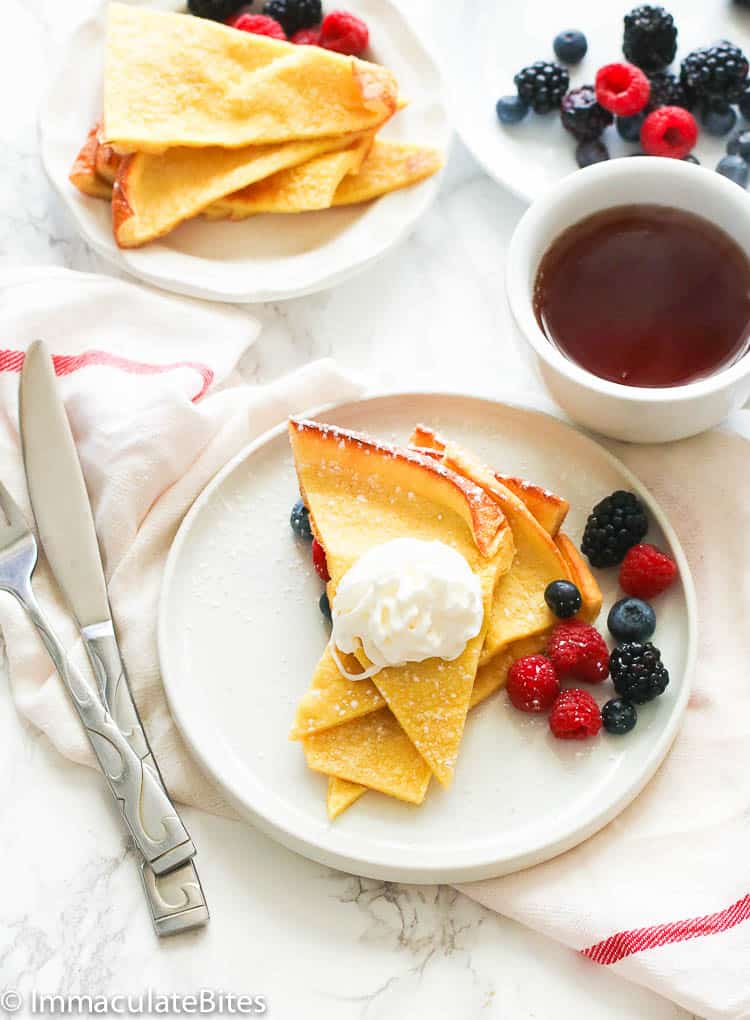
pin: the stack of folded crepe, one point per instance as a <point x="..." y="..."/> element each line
<point x="200" y="118"/>
<point x="393" y="732"/>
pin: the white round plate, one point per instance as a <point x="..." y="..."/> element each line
<point x="269" y="257"/>
<point x="497" y="39"/>
<point x="240" y="633"/>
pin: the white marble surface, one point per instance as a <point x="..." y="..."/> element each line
<point x="315" y="943"/>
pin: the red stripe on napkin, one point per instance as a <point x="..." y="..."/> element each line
<point x="65" y="364"/>
<point x="625" y="943"/>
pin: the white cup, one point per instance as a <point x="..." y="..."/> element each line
<point x="632" y="413"/>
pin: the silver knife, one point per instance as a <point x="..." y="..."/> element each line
<point x="66" y="528"/>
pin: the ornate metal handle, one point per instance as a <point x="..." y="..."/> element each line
<point x="131" y="772"/>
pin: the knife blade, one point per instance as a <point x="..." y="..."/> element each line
<point x="66" y="530"/>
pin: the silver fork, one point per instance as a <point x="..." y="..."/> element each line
<point x="176" y="898"/>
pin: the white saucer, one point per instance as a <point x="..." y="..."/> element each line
<point x="240" y="632"/>
<point x="265" y="258"/>
<point x="498" y="39"/>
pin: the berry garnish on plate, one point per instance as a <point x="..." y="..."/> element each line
<point x="623" y="89"/>
<point x="718" y="122"/>
<point x="563" y="598"/>
<point x="300" y="521"/>
<point x="575" y="715"/>
<point x="578" y="650"/>
<point x="739" y="144"/>
<point x="629" y="128"/>
<point x="638" y="673"/>
<point x="743" y="104"/>
<point x="631" y="619"/>
<point x="668" y="90"/>
<point x="258" y="24"/>
<point x="735" y="169"/>
<point x="619" y="716"/>
<point x="570" y="46"/>
<point x="511" y="109"/>
<point x="716" y="74"/>
<point x="532" y="684"/>
<point x="325" y="606"/>
<point x="614" y="525"/>
<point x="319" y="561"/>
<point x="294" y="14"/>
<point x="214" y="10"/>
<point x="594" y="151"/>
<point x="650" y="38"/>
<point x="669" y="131"/>
<point x="646" y="571"/>
<point x="345" y="33"/>
<point x="306" y="37"/>
<point x="542" y="85"/>
<point x="582" y="115"/>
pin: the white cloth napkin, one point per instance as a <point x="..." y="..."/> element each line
<point x="663" y="893"/>
<point x="157" y="408"/>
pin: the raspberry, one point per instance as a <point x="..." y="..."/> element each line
<point x="578" y="650"/>
<point x="575" y="715"/>
<point x="669" y="131"/>
<point x="344" y="33"/>
<point x="319" y="560"/>
<point x="258" y="24"/>
<point x="532" y="684"/>
<point x="622" y="88"/>
<point x="646" y="571"/>
<point x="306" y="37"/>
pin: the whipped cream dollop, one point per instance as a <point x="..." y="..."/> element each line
<point x="406" y="600"/>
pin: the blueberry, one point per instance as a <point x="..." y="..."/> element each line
<point x="563" y="598"/>
<point x="734" y="168"/>
<point x="619" y="716"/>
<point x="300" y="521"/>
<point x="591" y="152"/>
<point x="631" y="619"/>
<point x="629" y="128"/>
<point x="511" y="109"/>
<point x="719" y="122"/>
<point x="570" y="46"/>
<point x="325" y="606"/>
<point x="690" y="158"/>
<point x="744" y="105"/>
<point x="739" y="144"/>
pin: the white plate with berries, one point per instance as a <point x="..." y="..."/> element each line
<point x="240" y="631"/>
<point x="531" y="150"/>
<point x="266" y="257"/>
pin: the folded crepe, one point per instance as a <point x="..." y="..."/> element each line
<point x="84" y="173"/>
<point x="153" y="194"/>
<point x="361" y="493"/>
<point x="329" y="181"/>
<point x="176" y="80"/>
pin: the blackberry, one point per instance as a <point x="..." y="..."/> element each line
<point x="619" y="716"/>
<point x="637" y="671"/>
<point x="716" y="75"/>
<point x="542" y="85"/>
<point x="594" y="151"/>
<point x="294" y="14"/>
<point x="582" y="115"/>
<point x="668" y="90"/>
<point x="650" y="39"/>
<point x="614" y="525"/>
<point x="216" y="10"/>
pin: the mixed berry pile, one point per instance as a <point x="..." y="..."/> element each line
<point x="298" y="21"/>
<point x="650" y="105"/>
<point x="577" y="653"/>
